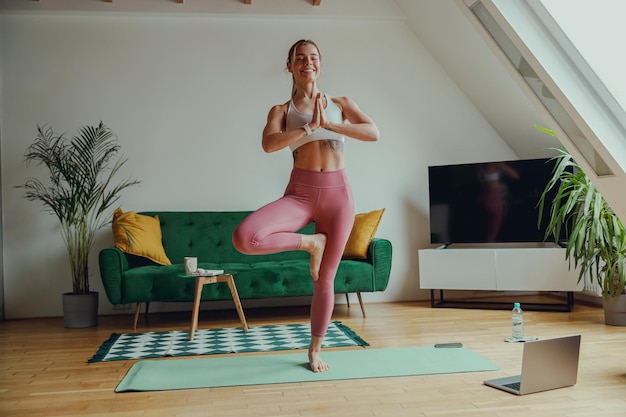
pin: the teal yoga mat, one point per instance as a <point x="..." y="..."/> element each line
<point x="171" y="374"/>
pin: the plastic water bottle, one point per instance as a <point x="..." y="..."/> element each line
<point x="517" y="319"/>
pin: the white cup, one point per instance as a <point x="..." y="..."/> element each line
<point x="191" y="265"/>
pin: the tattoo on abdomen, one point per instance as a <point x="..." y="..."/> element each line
<point x="334" y="145"/>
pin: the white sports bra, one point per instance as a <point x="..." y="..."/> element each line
<point x="296" y="119"/>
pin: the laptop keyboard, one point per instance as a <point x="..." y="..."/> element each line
<point x="513" y="385"/>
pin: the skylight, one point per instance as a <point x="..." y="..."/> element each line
<point x="571" y="72"/>
<point x="555" y="72"/>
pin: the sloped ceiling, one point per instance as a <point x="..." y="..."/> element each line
<point x="439" y="24"/>
<point x="443" y="28"/>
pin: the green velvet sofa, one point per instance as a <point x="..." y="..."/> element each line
<point x="129" y="279"/>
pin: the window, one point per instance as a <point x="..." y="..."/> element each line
<point x="588" y="115"/>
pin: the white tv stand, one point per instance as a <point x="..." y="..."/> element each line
<point x="497" y="269"/>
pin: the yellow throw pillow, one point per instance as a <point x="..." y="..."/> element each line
<point x="139" y="235"/>
<point x="363" y="231"/>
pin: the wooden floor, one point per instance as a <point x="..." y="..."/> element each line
<point x="44" y="369"/>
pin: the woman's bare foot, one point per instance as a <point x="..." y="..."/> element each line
<point x="315" y="244"/>
<point x="315" y="360"/>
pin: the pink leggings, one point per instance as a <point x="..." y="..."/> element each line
<point x="322" y="197"/>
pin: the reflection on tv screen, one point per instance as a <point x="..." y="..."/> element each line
<point x="490" y="202"/>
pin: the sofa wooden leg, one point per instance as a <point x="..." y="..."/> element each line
<point x="347" y="300"/>
<point x="137" y="311"/>
<point x="358" y="294"/>
<point x="145" y="313"/>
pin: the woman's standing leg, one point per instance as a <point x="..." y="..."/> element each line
<point x="334" y="218"/>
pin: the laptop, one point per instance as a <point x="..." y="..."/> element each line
<point x="546" y="364"/>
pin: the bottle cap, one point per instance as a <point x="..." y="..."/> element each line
<point x="516" y="305"/>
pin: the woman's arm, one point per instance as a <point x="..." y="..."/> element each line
<point x="274" y="136"/>
<point x="361" y="127"/>
<point x="507" y="170"/>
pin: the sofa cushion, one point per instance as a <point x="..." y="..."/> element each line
<point x="139" y="235"/>
<point x="363" y="230"/>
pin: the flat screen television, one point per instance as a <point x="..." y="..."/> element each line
<point x="490" y="202"/>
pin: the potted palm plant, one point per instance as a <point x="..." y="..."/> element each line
<point x="597" y="241"/>
<point x="78" y="190"/>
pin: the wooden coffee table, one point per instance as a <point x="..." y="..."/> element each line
<point x="201" y="281"/>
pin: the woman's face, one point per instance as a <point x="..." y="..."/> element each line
<point x="305" y="65"/>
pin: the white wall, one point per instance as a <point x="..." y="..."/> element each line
<point x="188" y="97"/>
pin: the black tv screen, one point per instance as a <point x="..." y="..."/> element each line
<point x="490" y="202"/>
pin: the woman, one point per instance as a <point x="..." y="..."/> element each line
<point x="312" y="125"/>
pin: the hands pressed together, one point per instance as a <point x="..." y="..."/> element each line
<point x="319" y="114"/>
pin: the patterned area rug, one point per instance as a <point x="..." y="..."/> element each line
<point x="215" y="341"/>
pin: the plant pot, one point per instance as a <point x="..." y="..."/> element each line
<point x="615" y="310"/>
<point x="80" y="310"/>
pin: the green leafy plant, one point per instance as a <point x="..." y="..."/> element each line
<point x="78" y="190"/>
<point x="597" y="242"/>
